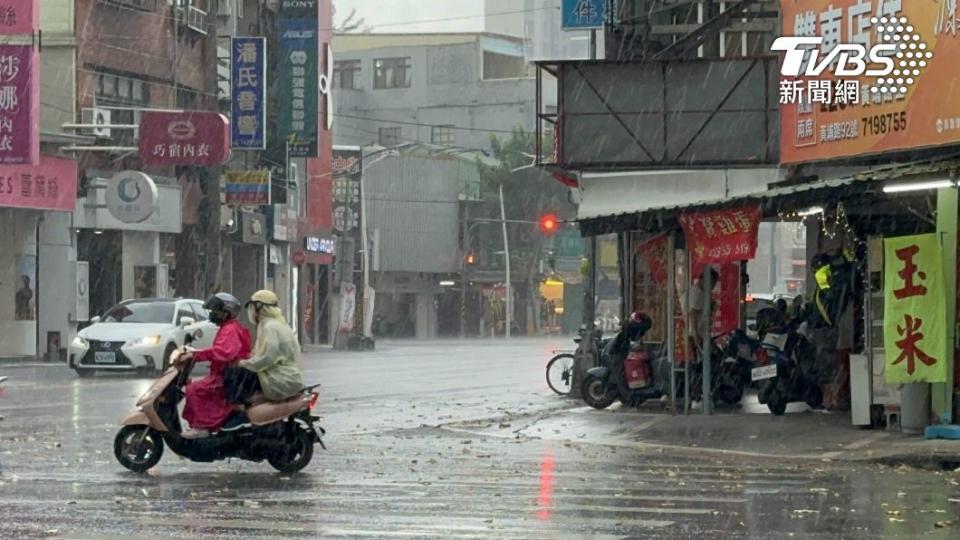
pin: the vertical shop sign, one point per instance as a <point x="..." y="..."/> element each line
<point x="19" y="105"/>
<point x="726" y="298"/>
<point x="915" y="312"/>
<point x="348" y="307"/>
<point x="347" y="169"/>
<point x="649" y="284"/>
<point x="298" y="63"/>
<point x="19" y="17"/>
<point x="248" y="92"/>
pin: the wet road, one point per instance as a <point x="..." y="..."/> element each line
<point x="393" y="469"/>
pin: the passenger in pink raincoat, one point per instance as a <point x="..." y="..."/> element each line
<point x="207" y="408"/>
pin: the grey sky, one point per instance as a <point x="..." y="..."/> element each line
<point x="406" y="15"/>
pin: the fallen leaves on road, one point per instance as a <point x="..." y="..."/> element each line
<point x="943" y="524"/>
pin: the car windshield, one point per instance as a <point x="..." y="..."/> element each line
<point x="141" y="312"/>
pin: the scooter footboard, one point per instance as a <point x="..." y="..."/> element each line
<point x="599" y="372"/>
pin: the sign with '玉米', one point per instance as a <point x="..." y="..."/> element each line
<point x="915" y="312"/>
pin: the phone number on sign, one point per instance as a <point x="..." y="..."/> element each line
<point x="881" y="124"/>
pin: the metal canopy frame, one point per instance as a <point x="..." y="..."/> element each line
<point x="657" y="160"/>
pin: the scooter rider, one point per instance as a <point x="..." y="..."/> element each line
<point x="275" y="367"/>
<point x="206" y="407"/>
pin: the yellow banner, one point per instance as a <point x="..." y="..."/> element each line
<point x="915" y="312"/>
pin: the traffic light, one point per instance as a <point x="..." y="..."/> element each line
<point x="470" y="258"/>
<point x="548" y="223"/>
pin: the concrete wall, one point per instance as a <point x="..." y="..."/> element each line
<point x="17" y="338"/>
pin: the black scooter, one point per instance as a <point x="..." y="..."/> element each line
<point x="784" y="367"/>
<point x="606" y="383"/>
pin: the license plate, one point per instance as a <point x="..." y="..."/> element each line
<point x="763" y="372"/>
<point x="104" y="358"/>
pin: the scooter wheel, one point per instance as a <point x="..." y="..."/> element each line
<point x="295" y="454"/>
<point x="138" y="448"/>
<point x="594" y="393"/>
<point x="777" y="405"/>
<point x="813" y="397"/>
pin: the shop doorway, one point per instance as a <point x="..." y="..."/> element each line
<point x="316" y="305"/>
<point x="103" y="251"/>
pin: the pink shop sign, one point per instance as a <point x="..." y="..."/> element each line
<point x="19" y="17"/>
<point x="49" y="185"/>
<point x="19" y="105"/>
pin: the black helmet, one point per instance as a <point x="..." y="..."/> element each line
<point x="222" y="307"/>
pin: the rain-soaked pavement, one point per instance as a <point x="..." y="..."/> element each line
<point x="394" y="469"/>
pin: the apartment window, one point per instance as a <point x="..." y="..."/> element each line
<point x="390" y="136"/>
<point x="391" y="73"/>
<point x="346" y="74"/>
<point x="119" y="90"/>
<point x="441" y="135"/>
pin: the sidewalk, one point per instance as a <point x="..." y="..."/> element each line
<point x="802" y="435"/>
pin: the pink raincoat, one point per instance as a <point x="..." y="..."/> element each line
<point x="206" y="406"/>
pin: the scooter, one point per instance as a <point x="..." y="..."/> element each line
<point x="283" y="433"/>
<point x="605" y="384"/>
<point x="785" y="370"/>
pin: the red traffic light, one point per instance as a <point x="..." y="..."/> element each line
<point x="548" y="223"/>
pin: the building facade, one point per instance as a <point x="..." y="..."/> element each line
<point x="451" y="90"/>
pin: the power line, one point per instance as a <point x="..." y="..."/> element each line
<point x="405" y="123"/>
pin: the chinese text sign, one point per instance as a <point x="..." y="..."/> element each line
<point x="247" y="188"/>
<point x="189" y="138"/>
<point x="248" y="93"/>
<point x="721" y="236"/>
<point x="298" y="66"/>
<point x="583" y="14"/>
<point x="19" y="17"/>
<point x="49" y="185"/>
<point x="915" y="312"/>
<point x="19" y="105"/>
<point x="829" y="116"/>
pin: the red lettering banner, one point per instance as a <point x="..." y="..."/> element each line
<point x="721" y="236"/>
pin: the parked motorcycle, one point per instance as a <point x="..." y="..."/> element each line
<point x="283" y="433"/>
<point x="614" y="379"/>
<point x="784" y="369"/>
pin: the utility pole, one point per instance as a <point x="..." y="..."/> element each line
<point x="506" y="255"/>
<point x="214" y="240"/>
<point x="465" y="236"/>
<point x="586" y="356"/>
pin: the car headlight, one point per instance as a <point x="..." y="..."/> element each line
<point x="148" y="341"/>
<point x="80" y="343"/>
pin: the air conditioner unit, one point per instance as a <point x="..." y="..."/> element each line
<point x="197" y="20"/>
<point x="192" y="17"/>
<point x="96" y="116"/>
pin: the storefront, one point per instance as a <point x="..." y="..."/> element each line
<point x="37" y="258"/>
<point x="122" y="224"/>
<point x="852" y="216"/>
